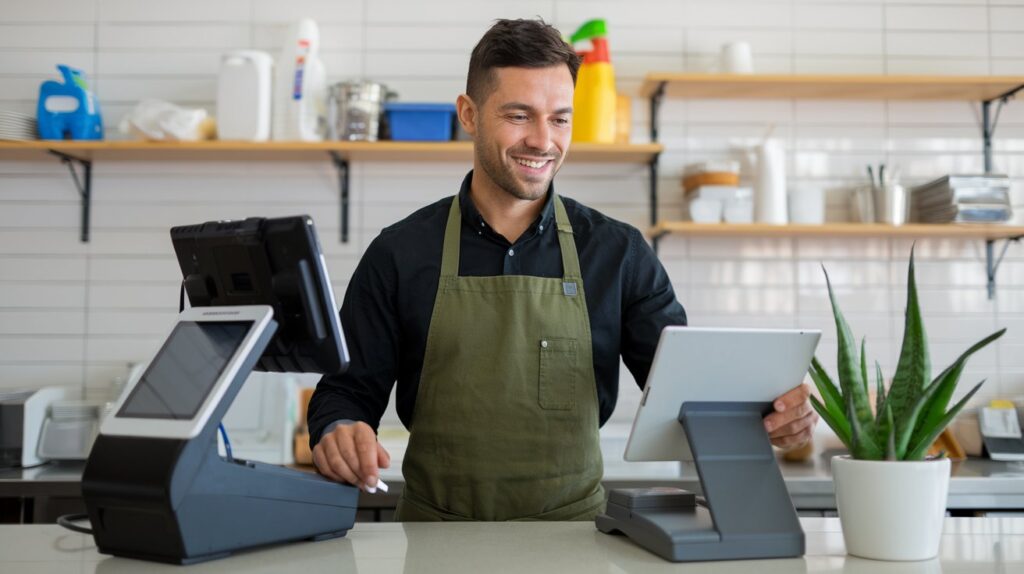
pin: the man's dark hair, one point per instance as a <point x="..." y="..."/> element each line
<point x="519" y="44"/>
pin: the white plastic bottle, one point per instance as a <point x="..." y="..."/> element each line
<point x="299" y="87"/>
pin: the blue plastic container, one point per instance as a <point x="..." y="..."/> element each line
<point x="420" y="122"/>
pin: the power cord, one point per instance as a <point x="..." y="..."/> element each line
<point x="227" y="443"/>
<point x="68" y="521"/>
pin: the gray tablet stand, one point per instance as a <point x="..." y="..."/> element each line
<point x="747" y="512"/>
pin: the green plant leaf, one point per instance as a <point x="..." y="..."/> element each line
<point x="832" y="400"/>
<point x="863" y="446"/>
<point x="879" y="393"/>
<point x="835" y="423"/>
<point x="864" y="363"/>
<point x="932" y="432"/>
<point x="905" y="432"/>
<point x="913" y="371"/>
<point x="947" y="380"/>
<point x="890" y="443"/>
<point x="850" y="380"/>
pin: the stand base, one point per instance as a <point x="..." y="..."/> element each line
<point x="682" y="532"/>
<point x="747" y="514"/>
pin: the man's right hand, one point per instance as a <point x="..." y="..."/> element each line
<point x="350" y="453"/>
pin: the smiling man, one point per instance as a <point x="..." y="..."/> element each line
<point x="501" y="313"/>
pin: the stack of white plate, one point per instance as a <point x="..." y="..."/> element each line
<point x="16" y="126"/>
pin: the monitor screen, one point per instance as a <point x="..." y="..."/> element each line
<point x="181" y="376"/>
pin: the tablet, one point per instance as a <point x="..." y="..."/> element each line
<point x="710" y="364"/>
<point x="189" y="375"/>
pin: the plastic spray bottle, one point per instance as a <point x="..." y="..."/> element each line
<point x="595" y="100"/>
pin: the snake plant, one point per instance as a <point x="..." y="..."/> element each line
<point x="911" y="415"/>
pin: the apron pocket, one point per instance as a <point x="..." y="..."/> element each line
<point x="558" y="368"/>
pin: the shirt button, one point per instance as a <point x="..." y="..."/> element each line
<point x="544" y="344"/>
<point x="511" y="252"/>
<point x="542" y="228"/>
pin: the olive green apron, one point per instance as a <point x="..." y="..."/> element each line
<point x="506" y="419"/>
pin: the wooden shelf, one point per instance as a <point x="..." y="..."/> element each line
<point x="961" y="230"/>
<point x="355" y="151"/>
<point x="830" y="87"/>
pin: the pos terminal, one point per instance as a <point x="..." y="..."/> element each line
<point x="155" y="487"/>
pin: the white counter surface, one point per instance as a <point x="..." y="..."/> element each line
<point x="969" y="545"/>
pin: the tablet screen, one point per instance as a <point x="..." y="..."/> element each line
<point x="185" y="370"/>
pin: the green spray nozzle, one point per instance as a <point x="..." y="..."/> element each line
<point x="589" y="30"/>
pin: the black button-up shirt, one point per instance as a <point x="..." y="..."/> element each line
<point x="390" y="298"/>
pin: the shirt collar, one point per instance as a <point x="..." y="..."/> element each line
<point x="471" y="216"/>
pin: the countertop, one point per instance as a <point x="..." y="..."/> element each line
<point x="976" y="484"/>
<point x="975" y="545"/>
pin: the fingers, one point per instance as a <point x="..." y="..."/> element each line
<point x="805" y="418"/>
<point x="331" y="461"/>
<point x="383" y="457"/>
<point x="802" y="431"/>
<point x="793" y="398"/>
<point x="365" y="446"/>
<point x="351" y="453"/>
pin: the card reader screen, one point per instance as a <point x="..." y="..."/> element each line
<point x="178" y="380"/>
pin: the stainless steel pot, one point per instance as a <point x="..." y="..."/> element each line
<point x="354" y="110"/>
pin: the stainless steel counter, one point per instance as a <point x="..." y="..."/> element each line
<point x="975" y="545"/>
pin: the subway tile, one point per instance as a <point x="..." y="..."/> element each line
<point x="937" y="66"/>
<point x="833" y="43"/>
<point x="752" y="301"/>
<point x="740" y="248"/>
<point x="322" y="11"/>
<point x="707" y="14"/>
<point x="48" y="11"/>
<point x="1008" y="45"/>
<point x="837" y="65"/>
<point x="932" y="113"/>
<point x="131" y="322"/>
<point x="26" y="375"/>
<point x="938" y="18"/>
<point x="388" y="37"/>
<point x="851" y="300"/>
<point x="710" y="41"/>
<point x="42" y="322"/>
<point x="837" y="16"/>
<point x="51" y="36"/>
<point x="333" y="37"/>
<point x="741" y="273"/>
<point x="840" y="139"/>
<point x="569" y="14"/>
<point x="453" y="11"/>
<point x="136" y="295"/>
<point x="182" y="91"/>
<point x="936" y="44"/>
<point x="846" y="272"/>
<point x="158" y="63"/>
<point x="418" y="64"/>
<point x="818" y="248"/>
<point x="763" y="64"/>
<point x="227" y="35"/>
<point x="646" y="40"/>
<point x="40" y="349"/>
<point x="961" y="300"/>
<point x="36" y="268"/>
<point x="179" y="11"/>
<point x="839" y="112"/>
<point x="21" y="62"/>
<point x="1006" y="18"/>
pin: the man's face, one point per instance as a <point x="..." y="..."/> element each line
<point x="523" y="128"/>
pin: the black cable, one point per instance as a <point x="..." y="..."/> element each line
<point x="68" y="521"/>
<point x="181" y="297"/>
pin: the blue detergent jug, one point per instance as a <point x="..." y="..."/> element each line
<point x="68" y="110"/>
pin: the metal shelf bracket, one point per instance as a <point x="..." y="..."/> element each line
<point x="989" y="123"/>
<point x="342" y="167"/>
<point x="992" y="262"/>
<point x="83" y="184"/>
<point x="656" y="99"/>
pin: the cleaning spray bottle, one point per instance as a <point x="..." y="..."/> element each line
<point x="595" y="100"/>
<point x="299" y="86"/>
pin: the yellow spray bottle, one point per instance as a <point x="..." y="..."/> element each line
<point x="595" y="100"/>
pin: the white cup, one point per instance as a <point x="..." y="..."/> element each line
<point x="736" y="58"/>
<point x="706" y="210"/>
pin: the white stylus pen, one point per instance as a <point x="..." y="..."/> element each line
<point x="383" y="486"/>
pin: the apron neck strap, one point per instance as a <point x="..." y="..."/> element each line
<point x="453" y="236"/>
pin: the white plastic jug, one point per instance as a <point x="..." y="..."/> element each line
<point x="244" y="96"/>
<point x="300" y="86"/>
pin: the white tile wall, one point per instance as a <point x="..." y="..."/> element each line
<point x="76" y="314"/>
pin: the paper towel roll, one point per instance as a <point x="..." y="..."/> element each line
<point x="770" y="184"/>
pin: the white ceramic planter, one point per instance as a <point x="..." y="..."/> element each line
<point x="891" y="510"/>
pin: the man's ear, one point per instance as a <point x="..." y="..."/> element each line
<point x="468" y="113"/>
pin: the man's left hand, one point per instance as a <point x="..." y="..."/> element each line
<point x="793" y="421"/>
